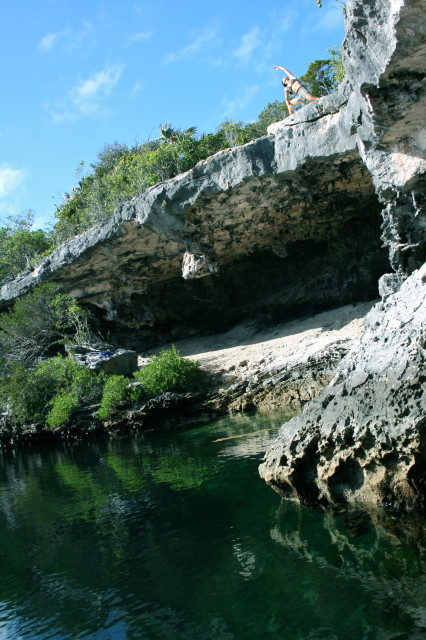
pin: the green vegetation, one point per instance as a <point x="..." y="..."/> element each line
<point x="170" y="372"/>
<point x="39" y="388"/>
<point x="114" y="393"/>
<point x="39" y="322"/>
<point x="20" y="246"/>
<point x="49" y="391"/>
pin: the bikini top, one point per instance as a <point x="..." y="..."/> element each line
<point x="295" y="85"/>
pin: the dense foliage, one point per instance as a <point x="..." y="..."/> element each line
<point x="170" y="372"/>
<point x="20" y="246"/>
<point x="116" y="391"/>
<point x="39" y="322"/>
<point x="39" y="388"/>
<point x="49" y="391"/>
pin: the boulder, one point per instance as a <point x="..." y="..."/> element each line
<point x="123" y="362"/>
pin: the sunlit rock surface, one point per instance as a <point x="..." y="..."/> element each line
<point x="363" y="440"/>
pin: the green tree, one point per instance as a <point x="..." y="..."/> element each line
<point x="37" y="322"/>
<point x="323" y="76"/>
<point x="20" y="245"/>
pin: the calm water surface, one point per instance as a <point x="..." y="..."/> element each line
<point x="174" y="536"/>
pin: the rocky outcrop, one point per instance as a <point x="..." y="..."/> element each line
<point x="281" y="227"/>
<point x="362" y="441"/>
<point x="286" y="226"/>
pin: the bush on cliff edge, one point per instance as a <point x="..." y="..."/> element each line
<point x="170" y="372"/>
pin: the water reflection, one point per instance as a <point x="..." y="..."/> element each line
<point x="174" y="536"/>
<point x="376" y="551"/>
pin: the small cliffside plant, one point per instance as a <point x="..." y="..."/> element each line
<point x="170" y="372"/>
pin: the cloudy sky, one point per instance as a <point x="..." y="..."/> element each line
<point x="77" y="75"/>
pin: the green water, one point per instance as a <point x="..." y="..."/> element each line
<point x="174" y="536"/>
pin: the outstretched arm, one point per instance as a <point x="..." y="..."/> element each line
<point x="286" y="71"/>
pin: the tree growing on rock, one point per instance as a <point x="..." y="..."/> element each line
<point x="20" y="245"/>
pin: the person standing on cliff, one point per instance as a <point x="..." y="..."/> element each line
<point x="293" y="85"/>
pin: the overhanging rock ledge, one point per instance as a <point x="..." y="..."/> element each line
<point x="306" y="218"/>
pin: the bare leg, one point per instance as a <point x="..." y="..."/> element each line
<point x="292" y="102"/>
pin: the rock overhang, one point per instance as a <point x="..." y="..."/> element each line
<point x="301" y="191"/>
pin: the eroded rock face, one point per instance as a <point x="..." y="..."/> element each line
<point x="362" y="441"/>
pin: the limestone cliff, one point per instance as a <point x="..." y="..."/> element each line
<point x="291" y="224"/>
<point x="363" y="440"/>
<point x="284" y="226"/>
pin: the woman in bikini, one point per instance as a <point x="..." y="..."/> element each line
<point x="293" y="85"/>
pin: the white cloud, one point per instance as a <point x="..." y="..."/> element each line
<point x="205" y="36"/>
<point x="10" y="179"/>
<point x="241" y="101"/>
<point x="284" y="20"/>
<point x="75" y="39"/>
<point x="71" y="38"/>
<point x="249" y="42"/>
<point x="137" y="88"/>
<point x="138" y="37"/>
<point x="48" y="41"/>
<point x="86" y="99"/>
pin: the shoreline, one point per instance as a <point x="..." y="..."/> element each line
<point x="253" y="368"/>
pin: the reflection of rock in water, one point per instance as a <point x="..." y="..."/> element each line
<point x="383" y="553"/>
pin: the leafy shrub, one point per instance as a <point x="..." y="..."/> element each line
<point x="170" y="372"/>
<point x="114" y="393"/>
<point x="49" y="391"/>
<point x="63" y="404"/>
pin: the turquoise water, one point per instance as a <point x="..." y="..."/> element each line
<point x="169" y="536"/>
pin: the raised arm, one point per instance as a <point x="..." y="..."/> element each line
<point x="286" y="71"/>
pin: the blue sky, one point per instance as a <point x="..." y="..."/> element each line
<point x="77" y="75"/>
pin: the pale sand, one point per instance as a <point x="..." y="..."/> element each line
<point x="248" y="347"/>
